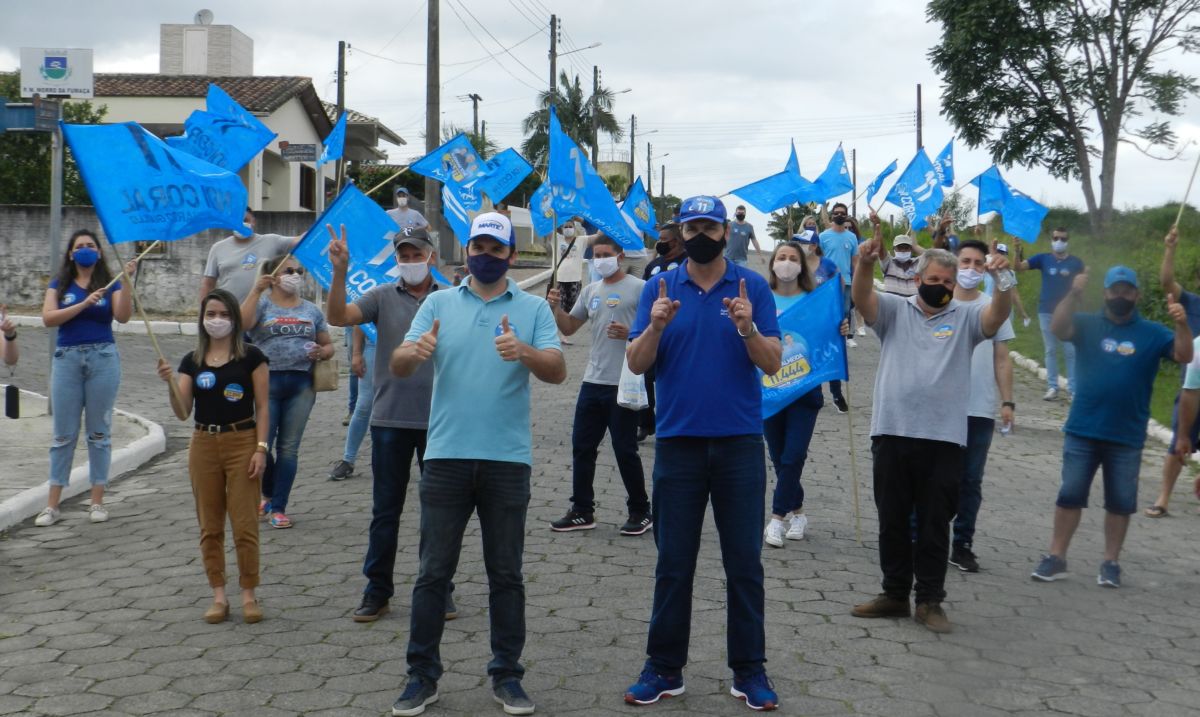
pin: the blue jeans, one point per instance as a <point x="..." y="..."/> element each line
<point x="1051" y="343"/>
<point x="360" y="420"/>
<point x="392" y="452"/>
<point x="450" y="491"/>
<point x="353" y="402"/>
<point x="1082" y="457"/>
<point x="291" y="400"/>
<point x="788" y="434"/>
<point x="596" y="411"/>
<point x="688" y="473"/>
<point x="83" y="377"/>
<point x="970" y="488"/>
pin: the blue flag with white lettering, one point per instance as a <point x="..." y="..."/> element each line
<point x="468" y="177"/>
<point x="835" y="180"/>
<point x="918" y="191"/>
<point x="335" y="144"/>
<point x="225" y="135"/>
<point x="144" y="190"/>
<point x="455" y="161"/>
<point x="639" y="210"/>
<point x="779" y="190"/>
<point x="457" y="215"/>
<point x="943" y="164"/>
<point x="813" y="348"/>
<point x="877" y="182"/>
<point x="505" y="171"/>
<point x="1022" y="216"/>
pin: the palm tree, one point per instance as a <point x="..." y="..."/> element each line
<point x="574" y="113"/>
<point x="484" y="146"/>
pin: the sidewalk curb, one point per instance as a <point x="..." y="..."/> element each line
<point x="30" y="502"/>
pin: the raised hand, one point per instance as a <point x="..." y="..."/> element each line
<point x="339" y="254"/>
<point x="266" y="281"/>
<point x="131" y="268"/>
<point x="1172" y="237"/>
<point x="164" y="370"/>
<point x="1079" y="283"/>
<point x="663" y="311"/>
<point x="554" y="298"/>
<point x="997" y="262"/>
<point x="427" y="343"/>
<point x="507" y="343"/>
<point x="870" y="251"/>
<point x="741" y="311"/>
<point x="1175" y="310"/>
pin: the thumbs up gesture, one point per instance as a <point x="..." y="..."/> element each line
<point x="427" y="344"/>
<point x="663" y="310"/>
<point x="507" y="344"/>
<point x="741" y="311"/>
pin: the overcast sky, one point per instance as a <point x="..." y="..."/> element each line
<point x="720" y="87"/>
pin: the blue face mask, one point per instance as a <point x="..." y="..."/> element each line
<point x="488" y="269"/>
<point x="86" y="256"/>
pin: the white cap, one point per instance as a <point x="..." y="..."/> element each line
<point x="902" y="239"/>
<point x="494" y="225"/>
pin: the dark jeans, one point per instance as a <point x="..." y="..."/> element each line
<point x="596" y="411"/>
<point x="450" y="491"/>
<point x="788" y="434"/>
<point x="970" y="487"/>
<point x="921" y="476"/>
<point x="688" y="473"/>
<point x="392" y="452"/>
<point x="646" y="415"/>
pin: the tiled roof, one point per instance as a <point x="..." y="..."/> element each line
<point x="257" y="94"/>
<point x="356" y="117"/>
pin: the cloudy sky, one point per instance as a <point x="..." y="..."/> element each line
<point x="718" y="88"/>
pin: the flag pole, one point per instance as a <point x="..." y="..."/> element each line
<point x="137" y="303"/>
<point x="1187" y="193"/>
<point x="377" y="186"/>
<point x="853" y="464"/>
<point x="138" y="258"/>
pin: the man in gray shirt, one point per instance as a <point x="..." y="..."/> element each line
<point x="406" y="217"/>
<point x="233" y="262"/>
<point x="919" y="422"/>
<point x="741" y="234"/>
<point x="611" y="305"/>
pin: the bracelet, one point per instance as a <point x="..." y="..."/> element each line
<point x="11" y="338"/>
<point x="262" y="447"/>
<point x="1009" y="404"/>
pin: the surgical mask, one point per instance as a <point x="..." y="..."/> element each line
<point x="935" y="295"/>
<point x="401" y="202"/>
<point x="86" y="256"/>
<point x="786" y="270"/>
<point x="1120" y="306"/>
<point x="290" y="283"/>
<point x="488" y="269"/>
<point x="605" y="266"/>
<point x="218" y="328"/>
<point x="568" y="231"/>
<point x="902" y="255"/>
<point x="1058" y="246"/>
<point x="702" y="250"/>
<point x="969" y="278"/>
<point x="413" y="273"/>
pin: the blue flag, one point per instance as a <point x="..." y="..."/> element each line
<point x="459" y="167"/>
<point x="813" y="348"/>
<point x="877" y="182"/>
<point x="335" y="144"/>
<point x="226" y="135"/>
<point x="455" y="162"/>
<point x="917" y="192"/>
<point x="779" y="190"/>
<point x="944" y="164"/>
<point x="1022" y="216"/>
<point x="638" y="209"/>
<point x="835" y="180"/>
<point x="456" y="213"/>
<point x="505" y="171"/>
<point x="144" y="190"/>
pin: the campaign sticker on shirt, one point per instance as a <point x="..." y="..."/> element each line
<point x="69" y="298"/>
<point x="1108" y="346"/>
<point x="613" y="301"/>
<point x="250" y="261"/>
<point x="102" y="302"/>
<point x="943" y="332"/>
<point x="1052" y="271"/>
<point x="594" y="303"/>
<point x="1126" y="348"/>
<point x="655" y="270"/>
<point x="1064" y="272"/>
<point x="234" y="393"/>
<point x="206" y="380"/>
<point x="513" y="329"/>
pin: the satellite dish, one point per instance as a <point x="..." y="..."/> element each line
<point x="204" y="17"/>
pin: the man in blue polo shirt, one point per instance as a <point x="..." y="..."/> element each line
<point x="1058" y="269"/>
<point x="485" y="337"/>
<point x="1119" y="353"/>
<point x="707" y="328"/>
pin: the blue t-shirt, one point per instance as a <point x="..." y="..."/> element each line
<point x="480" y="405"/>
<point x="825" y="270"/>
<point x="283" y="332"/>
<point x="840" y="247"/>
<point x="1057" y="276"/>
<point x="705" y="383"/>
<point x="783" y="303"/>
<point x="1191" y="306"/>
<point x="93" y="325"/>
<point x="1115" y="366"/>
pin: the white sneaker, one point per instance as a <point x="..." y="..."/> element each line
<point x="1051" y="394"/>
<point x="851" y="343"/>
<point x="774" y="533"/>
<point x="97" y="513"/>
<point x="862" y="330"/>
<point x="49" y="516"/>
<point x="796" y="526"/>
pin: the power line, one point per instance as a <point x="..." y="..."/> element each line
<point x="393" y="38"/>
<point x="472" y="61"/>
<point x="484" y="48"/>
<point x="523" y="10"/>
<point x="500" y="44"/>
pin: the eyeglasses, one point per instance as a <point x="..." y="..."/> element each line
<point x="294" y="270"/>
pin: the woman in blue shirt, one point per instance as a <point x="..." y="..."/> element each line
<point x="85" y="370"/>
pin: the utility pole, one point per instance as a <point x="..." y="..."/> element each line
<point x="483" y="136"/>
<point x="553" y="58"/>
<point x="446" y="242"/>
<point x="632" y="141"/>
<point x="475" y="100"/>
<point x="662" y="184"/>
<point x="340" y="172"/>
<point x="595" y="130"/>
<point x="920" y="142"/>
<point x="649" y="173"/>
<point x="854" y="182"/>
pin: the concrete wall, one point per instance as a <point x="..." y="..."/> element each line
<point x="229" y="51"/>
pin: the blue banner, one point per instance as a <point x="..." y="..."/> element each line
<point x="457" y="215"/>
<point x="226" y="135"/>
<point x="943" y="164"/>
<point x="144" y="190"/>
<point x="468" y="177"/>
<point x="638" y="209"/>
<point x="779" y="190"/>
<point x="877" y="182"/>
<point x="1022" y="216"/>
<point x="505" y="172"/>
<point x="813" y="348"/>
<point x="835" y="180"/>
<point x="455" y="162"/>
<point x="335" y="144"/>
<point x="918" y="191"/>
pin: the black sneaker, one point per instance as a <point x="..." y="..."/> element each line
<point x="839" y="402"/>
<point x="451" y="608"/>
<point x="573" y="521"/>
<point x="642" y="434"/>
<point x="963" y="559"/>
<point x="417" y="694"/>
<point x="341" y="471"/>
<point x="637" y="524"/>
<point x="371" y="609"/>
<point x="513" y="697"/>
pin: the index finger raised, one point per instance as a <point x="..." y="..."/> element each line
<point x="662" y="288"/>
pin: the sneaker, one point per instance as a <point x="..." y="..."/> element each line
<point x="49" y="516"/>
<point x="451" y="607"/>
<point x="773" y="535"/>
<point x="346" y="420"/>
<point x="933" y="617"/>
<point x="637" y="524"/>
<point x="963" y="559"/>
<point x="1050" y="569"/>
<point x="882" y="606"/>
<point x="651" y="687"/>
<point x="851" y="343"/>
<point x="862" y="330"/>
<point x="757" y="691"/>
<point x="370" y="609"/>
<point x="642" y="434"/>
<point x="264" y="507"/>
<point x="1051" y="394"/>
<point x="796" y="527"/>
<point x="279" y="520"/>
<point x="1110" y="575"/>
<point x="573" y="521"/>
<point x="417" y="694"/>
<point x="97" y="513"/>
<point x="341" y="471"/>
<point x="839" y="402"/>
<point x="513" y="697"/>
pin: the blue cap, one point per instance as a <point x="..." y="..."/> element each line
<point x="1119" y="274"/>
<point x="702" y="207"/>
<point x="808" y="236"/>
<point x="400" y="189"/>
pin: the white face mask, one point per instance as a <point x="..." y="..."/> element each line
<point x="902" y="255"/>
<point x="1059" y="246"/>
<point x="413" y="273"/>
<point x="606" y="266"/>
<point x="401" y="202"/>
<point x="786" y="270"/>
<point x="290" y="283"/>
<point x="568" y="231"/>
<point x="218" y="328"/>
<point x="969" y="278"/>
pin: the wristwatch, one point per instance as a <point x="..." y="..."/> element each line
<point x="1009" y="404"/>
<point x="753" y="331"/>
<point x="263" y="446"/>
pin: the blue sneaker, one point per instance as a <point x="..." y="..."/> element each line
<point x="1050" y="569"/>
<point x="757" y="691"/>
<point x="417" y="694"/>
<point x="513" y="697"/>
<point x="1110" y="575"/>
<point x="651" y="687"/>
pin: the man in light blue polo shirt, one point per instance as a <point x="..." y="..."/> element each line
<point x="485" y="337"/>
<point x="707" y="328"/>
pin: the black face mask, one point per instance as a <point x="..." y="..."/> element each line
<point x="935" y="295"/>
<point x="701" y="249"/>
<point x="1120" y="306"/>
<point x="839" y="219"/>
<point x="663" y="248"/>
<point x="740" y="216"/>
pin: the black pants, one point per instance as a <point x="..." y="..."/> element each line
<point x="646" y="415"/>
<point x="921" y="477"/>
<point x="597" y="411"/>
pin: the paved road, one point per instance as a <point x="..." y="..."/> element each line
<point x="105" y="619"/>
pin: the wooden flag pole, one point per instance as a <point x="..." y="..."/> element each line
<point x="372" y="190"/>
<point x="853" y="465"/>
<point x="137" y="303"/>
<point x="1187" y="192"/>
<point x="138" y="258"/>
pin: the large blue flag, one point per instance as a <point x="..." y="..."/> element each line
<point x="813" y="348"/>
<point x="917" y="192"/>
<point x="638" y="209"/>
<point x="457" y="215"/>
<point x="144" y="190"/>
<point x="335" y="144"/>
<point x="459" y="167"/>
<point x="835" y="180"/>
<point x="1022" y="216"/>
<point x="455" y="162"/>
<point x="877" y="182"/>
<point x="226" y="135"/>
<point x="505" y="172"/>
<point x="779" y="190"/>
<point x="944" y="164"/>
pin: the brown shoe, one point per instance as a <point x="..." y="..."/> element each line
<point x="933" y="617"/>
<point x="882" y="606"/>
<point x="217" y="612"/>
<point x="251" y="612"/>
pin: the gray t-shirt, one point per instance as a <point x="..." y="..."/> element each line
<point x="982" y="403"/>
<point x="739" y="240"/>
<point x="407" y="218"/>
<point x="602" y="304"/>
<point x="924" y="371"/>
<point x="399" y="402"/>
<point x="234" y="263"/>
<point x="282" y="332"/>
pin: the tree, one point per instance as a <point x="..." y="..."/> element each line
<point x="484" y="146"/>
<point x="574" y="114"/>
<point x="617" y="184"/>
<point x="1059" y="83"/>
<point x="786" y="222"/>
<point x="25" y="156"/>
